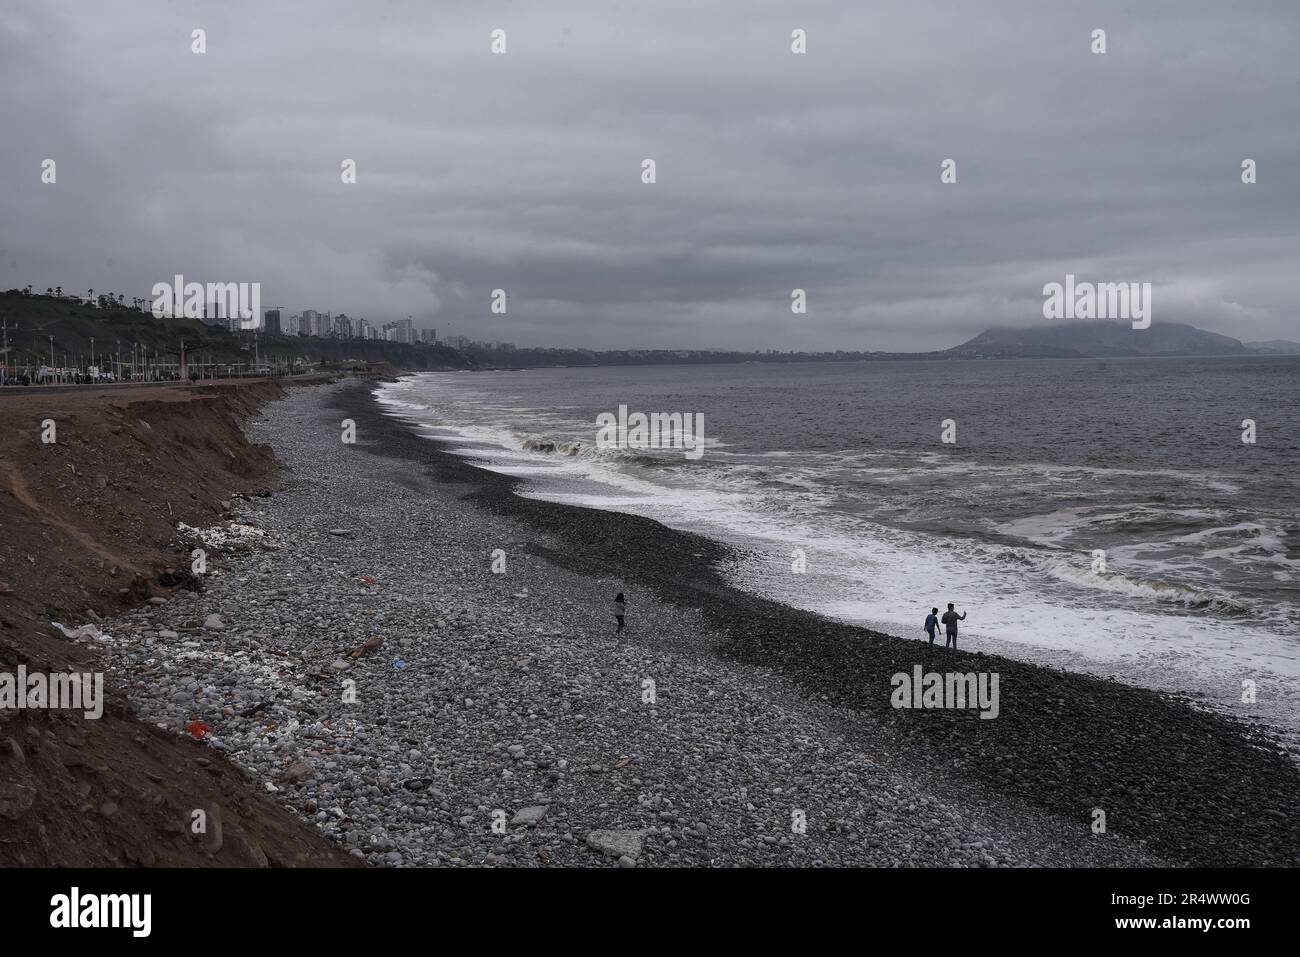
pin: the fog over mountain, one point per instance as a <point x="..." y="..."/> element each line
<point x="775" y="170"/>
<point x="1275" y="347"/>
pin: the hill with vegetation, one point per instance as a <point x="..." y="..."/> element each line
<point x="112" y="328"/>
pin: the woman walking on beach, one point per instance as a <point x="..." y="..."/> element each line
<point x="620" y="608"/>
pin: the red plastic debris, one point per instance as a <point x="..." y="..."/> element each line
<point x="199" y="729"/>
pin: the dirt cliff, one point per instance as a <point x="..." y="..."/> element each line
<point x="87" y="528"/>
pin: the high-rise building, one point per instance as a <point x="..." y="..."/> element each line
<point x="399" y="331"/>
<point x="271" y="321"/>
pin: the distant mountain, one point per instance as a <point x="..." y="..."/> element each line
<point x="1100" y="339"/>
<point x="1274" y="347"/>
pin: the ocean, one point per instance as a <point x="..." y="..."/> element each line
<point x="1097" y="515"/>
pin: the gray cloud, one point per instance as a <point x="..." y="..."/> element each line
<point x="775" y="171"/>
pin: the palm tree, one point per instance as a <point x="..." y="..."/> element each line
<point x="58" y="291"/>
<point x="90" y="294"/>
<point x="49" y="291"/>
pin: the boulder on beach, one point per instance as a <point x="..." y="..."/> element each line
<point x="621" y="843"/>
<point x="297" y="773"/>
<point x="529" y="816"/>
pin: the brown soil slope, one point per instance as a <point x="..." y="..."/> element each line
<point x="86" y="527"/>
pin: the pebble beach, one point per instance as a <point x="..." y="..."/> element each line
<point x="354" y="650"/>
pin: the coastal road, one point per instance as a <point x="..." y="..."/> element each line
<point x="107" y="387"/>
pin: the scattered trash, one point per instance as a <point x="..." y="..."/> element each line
<point x="399" y="664"/>
<point x="622" y="762"/>
<point x="368" y="580"/>
<point x="374" y="644"/>
<point x="231" y="537"/>
<point x="85" y="631"/>
<point x="200" y="729"/>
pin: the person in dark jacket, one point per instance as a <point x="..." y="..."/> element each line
<point x="950" y="619"/>
<point x="620" y="609"/>
<point x="932" y="623"/>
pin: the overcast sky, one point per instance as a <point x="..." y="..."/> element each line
<point x="523" y="171"/>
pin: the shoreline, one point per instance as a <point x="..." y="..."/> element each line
<point x="1173" y="773"/>
<point x="1033" y="598"/>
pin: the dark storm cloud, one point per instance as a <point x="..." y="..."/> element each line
<point x="775" y="171"/>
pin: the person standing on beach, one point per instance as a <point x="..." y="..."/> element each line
<point x="932" y="623"/>
<point x="620" y="609"/>
<point x="950" y="619"/>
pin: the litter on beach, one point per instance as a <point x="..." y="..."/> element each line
<point x="230" y="537"/>
<point x="374" y="644"/>
<point x="85" y="631"/>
